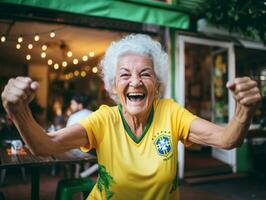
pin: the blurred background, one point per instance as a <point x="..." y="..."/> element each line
<point x="60" y="44"/>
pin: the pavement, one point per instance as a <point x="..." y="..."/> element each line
<point x="251" y="187"/>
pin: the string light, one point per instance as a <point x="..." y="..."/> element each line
<point x="76" y="72"/>
<point x="71" y="75"/>
<point x="85" y="58"/>
<point x="56" y="66"/>
<point x="94" y="70"/>
<point x="50" y="62"/>
<point x="36" y="37"/>
<point x="64" y="64"/>
<point x="18" y="46"/>
<point x="69" y="54"/>
<point x="83" y="74"/>
<point x="3" y="38"/>
<point x="30" y="46"/>
<point x="52" y="34"/>
<point x="75" y="61"/>
<point x="28" y="57"/>
<point x="20" y="39"/>
<point x="91" y="54"/>
<point x="44" y="47"/>
<point x="43" y="54"/>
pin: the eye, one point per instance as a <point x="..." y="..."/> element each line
<point x="124" y="75"/>
<point x="145" y="74"/>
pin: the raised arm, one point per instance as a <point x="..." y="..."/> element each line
<point x="15" y="98"/>
<point x="247" y="96"/>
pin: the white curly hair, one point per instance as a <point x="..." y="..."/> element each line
<point x="137" y="44"/>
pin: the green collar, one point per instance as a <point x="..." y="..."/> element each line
<point x="127" y="128"/>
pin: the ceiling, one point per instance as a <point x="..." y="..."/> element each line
<point x="81" y="41"/>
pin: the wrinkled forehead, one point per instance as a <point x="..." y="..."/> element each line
<point x="131" y="59"/>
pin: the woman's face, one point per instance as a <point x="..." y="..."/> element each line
<point x="136" y="84"/>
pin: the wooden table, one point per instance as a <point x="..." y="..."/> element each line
<point x="35" y="162"/>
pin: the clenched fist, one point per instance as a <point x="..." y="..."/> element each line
<point x="245" y="91"/>
<point x="18" y="93"/>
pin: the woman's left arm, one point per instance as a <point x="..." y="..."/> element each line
<point x="247" y="96"/>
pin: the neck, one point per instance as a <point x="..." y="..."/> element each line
<point x="136" y="123"/>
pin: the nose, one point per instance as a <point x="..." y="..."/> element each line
<point x="135" y="81"/>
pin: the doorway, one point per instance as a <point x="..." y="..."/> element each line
<point x="204" y="67"/>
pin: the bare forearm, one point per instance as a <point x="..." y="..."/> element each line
<point x="33" y="135"/>
<point x="247" y="96"/>
<point x="16" y="97"/>
<point x="237" y="129"/>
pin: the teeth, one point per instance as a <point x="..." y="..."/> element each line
<point x="135" y="96"/>
<point x="135" y="93"/>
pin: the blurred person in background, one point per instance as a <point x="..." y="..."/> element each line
<point x="78" y="109"/>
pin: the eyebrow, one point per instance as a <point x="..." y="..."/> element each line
<point x="147" y="68"/>
<point x="123" y="68"/>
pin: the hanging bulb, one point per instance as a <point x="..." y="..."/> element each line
<point x="52" y="34"/>
<point x="20" y="39"/>
<point x="28" y="57"/>
<point x="36" y="37"/>
<point x="56" y="66"/>
<point x="75" y="61"/>
<point x="76" y="73"/>
<point x="3" y="38"/>
<point x="44" y="47"/>
<point x="43" y="54"/>
<point x="18" y="46"/>
<point x="50" y="62"/>
<point x="64" y="64"/>
<point x="85" y="58"/>
<point x="30" y="46"/>
<point x="69" y="54"/>
<point x="94" y="70"/>
<point x="83" y="74"/>
<point x="91" y="54"/>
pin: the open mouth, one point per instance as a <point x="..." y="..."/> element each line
<point x="135" y="96"/>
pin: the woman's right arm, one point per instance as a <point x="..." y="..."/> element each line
<point x="15" y="98"/>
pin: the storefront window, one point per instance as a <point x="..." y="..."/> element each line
<point x="198" y="64"/>
<point x="206" y="77"/>
<point x="220" y="92"/>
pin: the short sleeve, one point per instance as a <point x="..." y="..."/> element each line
<point x="182" y="119"/>
<point x="93" y="124"/>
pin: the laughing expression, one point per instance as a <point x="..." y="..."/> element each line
<point x="136" y="84"/>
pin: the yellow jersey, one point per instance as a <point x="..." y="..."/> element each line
<point x="133" y="168"/>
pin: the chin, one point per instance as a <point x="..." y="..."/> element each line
<point x="135" y="111"/>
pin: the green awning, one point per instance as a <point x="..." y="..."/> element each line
<point x="115" y="9"/>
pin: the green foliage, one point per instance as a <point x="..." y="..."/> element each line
<point x="105" y="181"/>
<point x="245" y="16"/>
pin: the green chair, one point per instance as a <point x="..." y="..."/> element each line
<point x="67" y="187"/>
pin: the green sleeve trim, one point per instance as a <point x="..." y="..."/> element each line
<point x="127" y="128"/>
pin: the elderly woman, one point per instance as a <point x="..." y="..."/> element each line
<point x="136" y="140"/>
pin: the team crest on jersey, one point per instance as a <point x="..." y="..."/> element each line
<point x="163" y="145"/>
